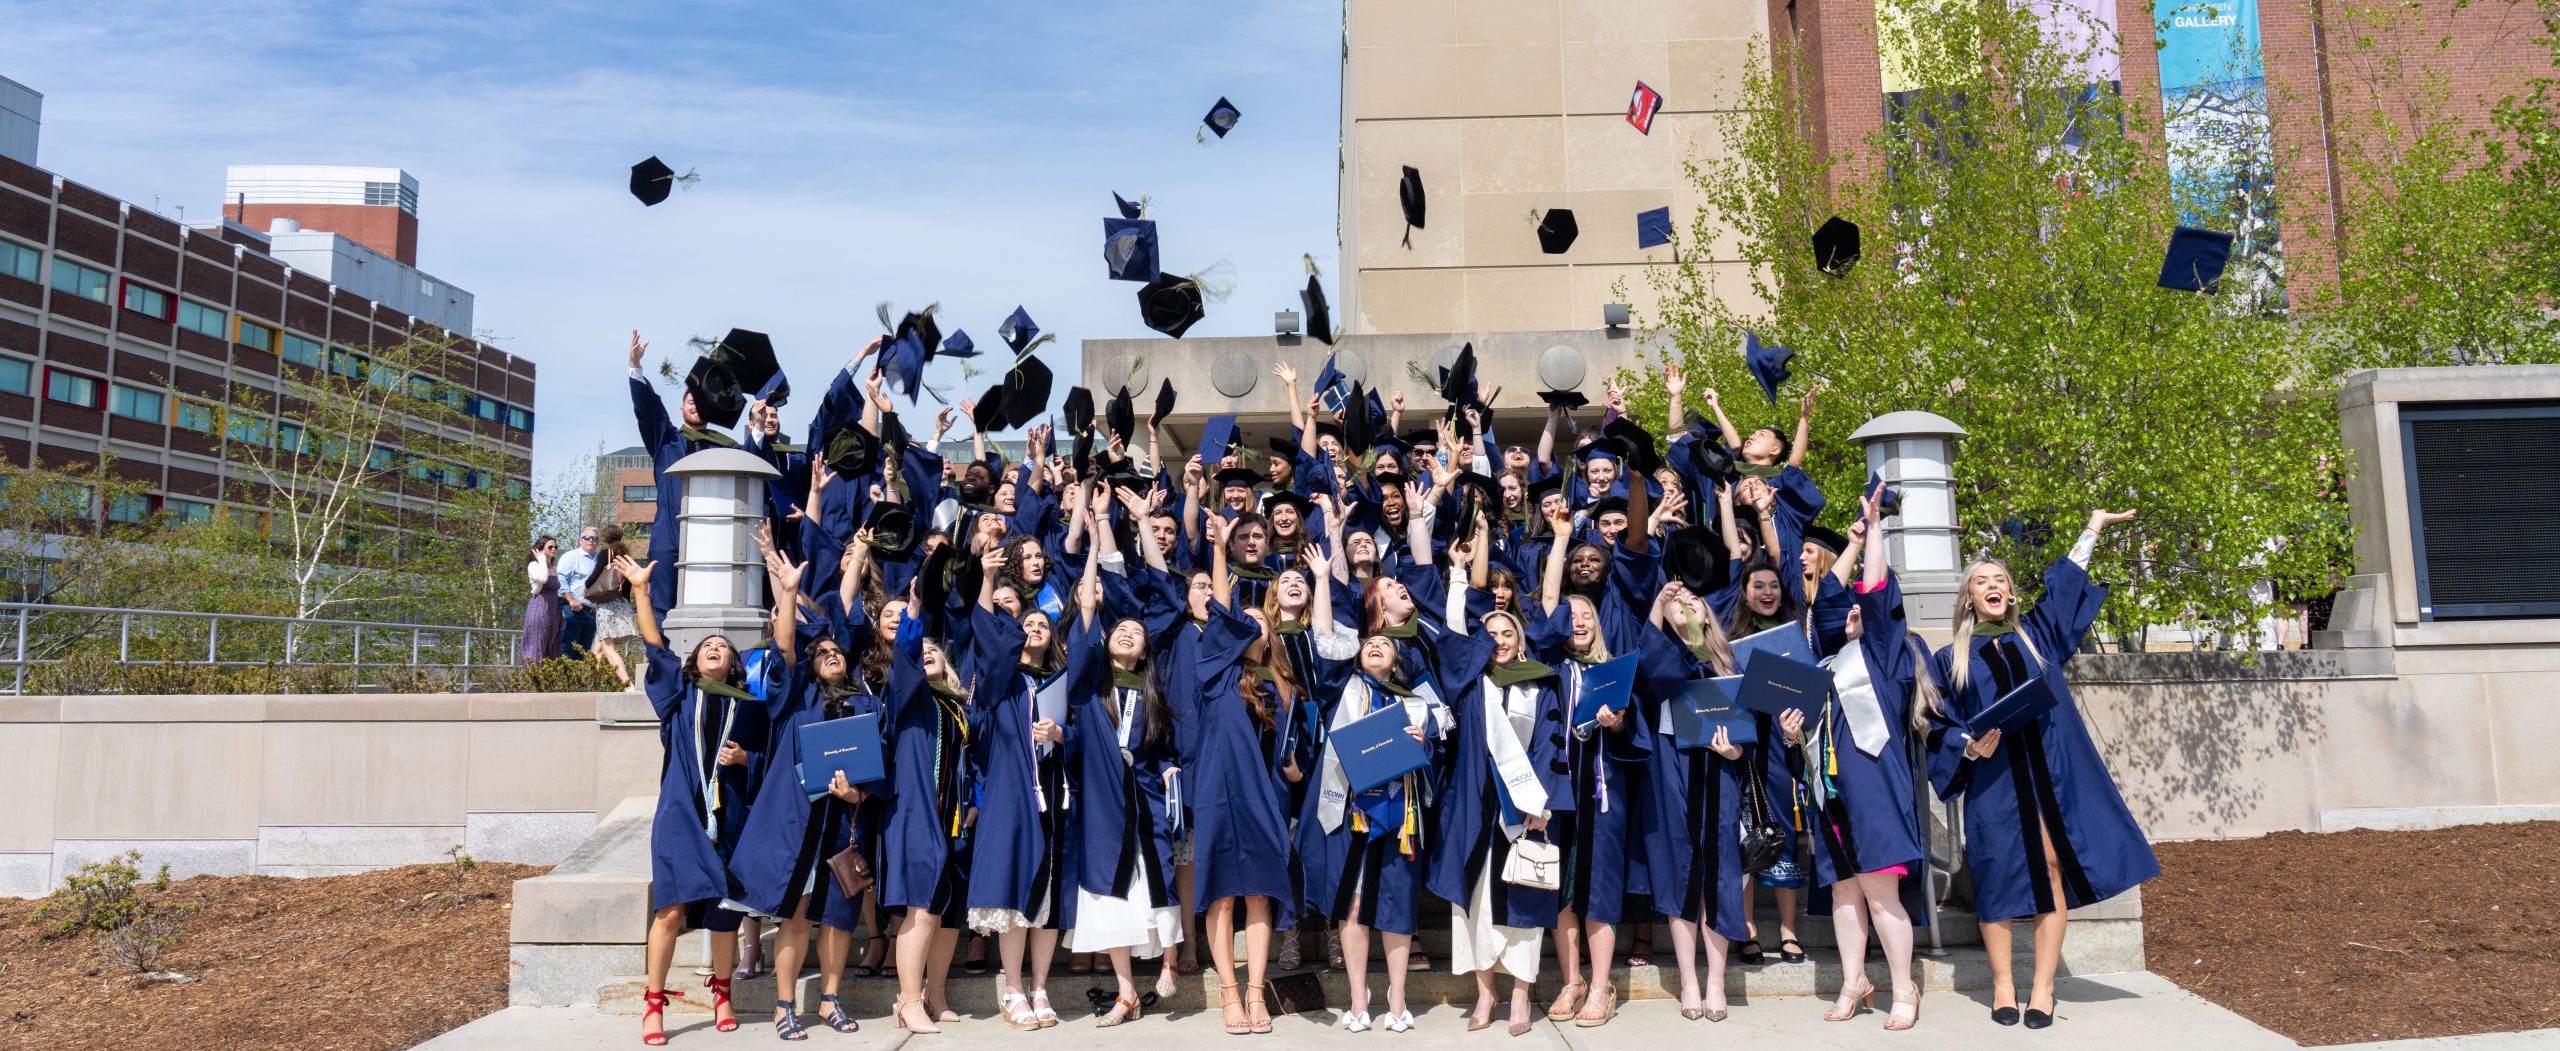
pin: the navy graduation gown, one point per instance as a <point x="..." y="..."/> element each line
<point x="1017" y="851"/>
<point x="1693" y="808"/>
<point x="1119" y="817"/>
<point x="2046" y="775"/>
<point x="667" y="443"/>
<point x="1468" y="838"/>
<point x="1239" y="838"/>
<point x="702" y="806"/>
<point x="1870" y="821"/>
<point x="1603" y="843"/>
<point x="925" y="862"/>
<point x="784" y="848"/>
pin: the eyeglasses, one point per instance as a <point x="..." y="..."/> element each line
<point x="589" y="536"/>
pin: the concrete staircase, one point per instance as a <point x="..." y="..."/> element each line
<point x="577" y="933"/>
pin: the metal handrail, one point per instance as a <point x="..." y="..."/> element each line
<point x="295" y="628"/>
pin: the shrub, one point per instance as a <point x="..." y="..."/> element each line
<point x="132" y="919"/>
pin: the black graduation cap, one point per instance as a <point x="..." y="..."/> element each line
<point x="1018" y="330"/>
<point x="1458" y="385"/>
<point x="1221" y="118"/>
<point x="1708" y="458"/>
<point x="1129" y="248"/>
<point x="1164" y="404"/>
<point x="749" y="356"/>
<point x="892" y="526"/>
<point x="1539" y="489"/>
<point x="1637" y="443"/>
<point x="1239" y="477"/>
<point x="1891" y="504"/>
<point x="1835" y="245"/>
<point x="1083" y="454"/>
<point x="1825" y="538"/>
<point x="1078" y="409"/>
<point x="893" y="436"/>
<point x="1696" y="557"/>
<point x="1768" y="363"/>
<point x="1128" y="210"/>
<point x="652" y="181"/>
<point x="852" y="451"/>
<point x="1026" y="392"/>
<point x="1319" y="315"/>
<point x="2195" y="261"/>
<point x="1358" y="427"/>
<point x="958" y="345"/>
<point x="1170" y="304"/>
<point x="1216" y="437"/>
<point x="1121" y="415"/>
<point x="1284" y="447"/>
<point x="1278" y="497"/>
<point x="1563" y="399"/>
<point x="934" y="585"/>
<point x="715" y="392"/>
<point x="988" y="415"/>
<point x="1556" y="231"/>
<point x="1607" y="505"/>
<point x="1419" y="438"/>
<point x="1409" y="194"/>
<point x="1653" y="227"/>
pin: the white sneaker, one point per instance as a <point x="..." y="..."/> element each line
<point x="1400" y="1022"/>
<point x="1355" y="1021"/>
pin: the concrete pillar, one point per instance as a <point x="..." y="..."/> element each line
<point x="719" y="575"/>
<point x="1915" y="453"/>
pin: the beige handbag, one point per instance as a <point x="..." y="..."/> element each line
<point x="1534" y="863"/>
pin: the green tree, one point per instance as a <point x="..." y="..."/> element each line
<point x="2015" y="221"/>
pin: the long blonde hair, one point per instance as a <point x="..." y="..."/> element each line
<point x="1960" y="649"/>
<point x="1710" y="635"/>
<point x="1599" y="651"/>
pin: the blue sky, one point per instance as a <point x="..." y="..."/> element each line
<point x="850" y="153"/>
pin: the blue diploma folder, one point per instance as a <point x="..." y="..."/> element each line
<point x="1375" y="749"/>
<point x="1785" y="640"/>
<point x="851" y="745"/>
<point x="1704" y="705"/>
<point x="1606" y="685"/>
<point x="1772" y="683"/>
<point x="2031" y="699"/>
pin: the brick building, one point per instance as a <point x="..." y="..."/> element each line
<point x="122" y="331"/>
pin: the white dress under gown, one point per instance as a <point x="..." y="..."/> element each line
<point x="1104" y="923"/>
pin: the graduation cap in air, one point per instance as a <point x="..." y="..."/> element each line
<point x="1319" y="314"/>
<point x="1642" y="105"/>
<point x="1835" y="246"/>
<point x="1221" y="118"/>
<point x="958" y="345"/>
<point x="902" y="362"/>
<point x="1026" y="392"/>
<point x="1653" y="227"/>
<point x="1332" y="387"/>
<point x="1082" y="454"/>
<point x="1696" y="557"/>
<point x="1358" y="427"/>
<point x="652" y="181"/>
<point x="1563" y="399"/>
<point x="2195" y="261"/>
<point x="1216" y="437"/>
<point x="1891" y="504"/>
<point x="1409" y="195"/>
<point x="893" y="437"/>
<point x="1458" y="383"/>
<point x="1120" y="415"/>
<point x="1556" y="231"/>
<point x="852" y="451"/>
<point x="749" y="356"/>
<point x="715" y="391"/>
<point x="1128" y="210"/>
<point x="1708" y="458"/>
<point x="892" y="528"/>
<point x="1129" y="248"/>
<point x="1078" y="408"/>
<point x="1018" y="330"/>
<point x="1768" y="363"/>
<point x="1171" y="304"/>
<point x="1636" y="443"/>
<point x="1825" y="538"/>
<point x="1164" y="404"/>
<point x="988" y="413"/>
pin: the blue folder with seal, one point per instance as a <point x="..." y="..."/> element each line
<point x="1375" y="749"/>
<point x="2030" y="700"/>
<point x="850" y="745"/>
<point x="1772" y="683"/>
<point x="1704" y="705"/>
<point x="1785" y="640"/>
<point x="1610" y="685"/>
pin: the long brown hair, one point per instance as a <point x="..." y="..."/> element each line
<point x="1284" y="680"/>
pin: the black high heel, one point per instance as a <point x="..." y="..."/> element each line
<point x="2004" y="1015"/>
<point x="2038" y="1019"/>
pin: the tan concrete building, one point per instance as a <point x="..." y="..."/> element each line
<point x="1508" y="108"/>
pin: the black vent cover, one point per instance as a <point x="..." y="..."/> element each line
<point x="2487" y="488"/>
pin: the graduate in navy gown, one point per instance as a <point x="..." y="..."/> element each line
<point x="1693" y="849"/>
<point x="1507" y="770"/>
<point x="923" y="878"/>
<point x="780" y="864"/>
<point x="2045" y="829"/>
<point x="703" y="716"/>
<point x="1856" y="764"/>
<point x="667" y="443"/>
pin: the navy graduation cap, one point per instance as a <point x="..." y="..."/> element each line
<point x="1654" y="227"/>
<point x="1216" y="436"/>
<point x="1768" y="363"/>
<point x="1127" y="209"/>
<point x="1892" y="503"/>
<point x="2195" y="261"/>
<point x="902" y="361"/>
<point x="959" y="345"/>
<point x="1332" y="386"/>
<point x="1018" y="330"/>
<point x="1221" y="118"/>
<point x="1129" y="248"/>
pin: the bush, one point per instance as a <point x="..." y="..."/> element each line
<point x="556" y="675"/>
<point x="132" y="920"/>
<point x="95" y="674"/>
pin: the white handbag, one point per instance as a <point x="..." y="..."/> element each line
<point x="1534" y="863"/>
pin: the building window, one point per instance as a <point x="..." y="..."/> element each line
<point x="520" y="419"/>
<point x="256" y="336"/>
<point x="290" y="437"/>
<point x="188" y="512"/>
<point x="251" y="430"/>
<point x="67" y="501"/>
<point x="16" y="375"/>
<point x="134" y="509"/>
<point x="490" y="409"/>
<point x="79" y="280"/>
<point x="199" y="318"/>
<point x="348" y="363"/>
<point x="303" y="352"/>
<point x="517" y="490"/>
<point x="639" y="494"/>
<point x="71" y="388"/>
<point x="135" y="402"/>
<point x="148" y="301"/>
<point x="391" y="193"/>
<point x="198" y="417"/>
<point x="19" y="261"/>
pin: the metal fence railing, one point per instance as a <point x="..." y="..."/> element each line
<point x="60" y="637"/>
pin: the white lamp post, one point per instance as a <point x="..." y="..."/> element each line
<point x="1915" y="453"/>
<point x="719" y="575"/>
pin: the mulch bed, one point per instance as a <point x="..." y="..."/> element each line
<point x="351" y="963"/>
<point x="2350" y="936"/>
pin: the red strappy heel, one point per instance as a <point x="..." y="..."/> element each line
<point x="656" y="1007"/>
<point x="720" y="998"/>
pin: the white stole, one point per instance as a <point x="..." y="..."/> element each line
<point x="1334" y="784"/>
<point x="1510" y="757"/>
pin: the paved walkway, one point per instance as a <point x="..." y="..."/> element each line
<point x="2117" y="1012"/>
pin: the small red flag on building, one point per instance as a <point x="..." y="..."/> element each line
<point x="1643" y="106"/>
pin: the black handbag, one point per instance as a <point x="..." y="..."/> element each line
<point x="1762" y="839"/>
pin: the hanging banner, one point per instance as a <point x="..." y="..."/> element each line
<point x="2213" y="90"/>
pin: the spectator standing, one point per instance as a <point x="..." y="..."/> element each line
<point x="615" y="623"/>
<point x="541" y="637"/>
<point x="578" y="616"/>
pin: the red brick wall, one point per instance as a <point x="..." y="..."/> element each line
<point x="383" y="228"/>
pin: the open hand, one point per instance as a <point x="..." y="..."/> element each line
<point x="639" y="348"/>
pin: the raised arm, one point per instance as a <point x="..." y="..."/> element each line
<point x="1869" y="517"/>
<point x="642" y="610"/>
<point x="1724" y="423"/>
<point x="1417" y="524"/>
<point x="1724" y="520"/>
<point x="1804" y="426"/>
<point x="1333" y="527"/>
<point x="1674" y="384"/>
<point x="1551" y="585"/>
<point x="1299" y="417"/>
<point x="1218" y="525"/>
<point x="1547" y="437"/>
